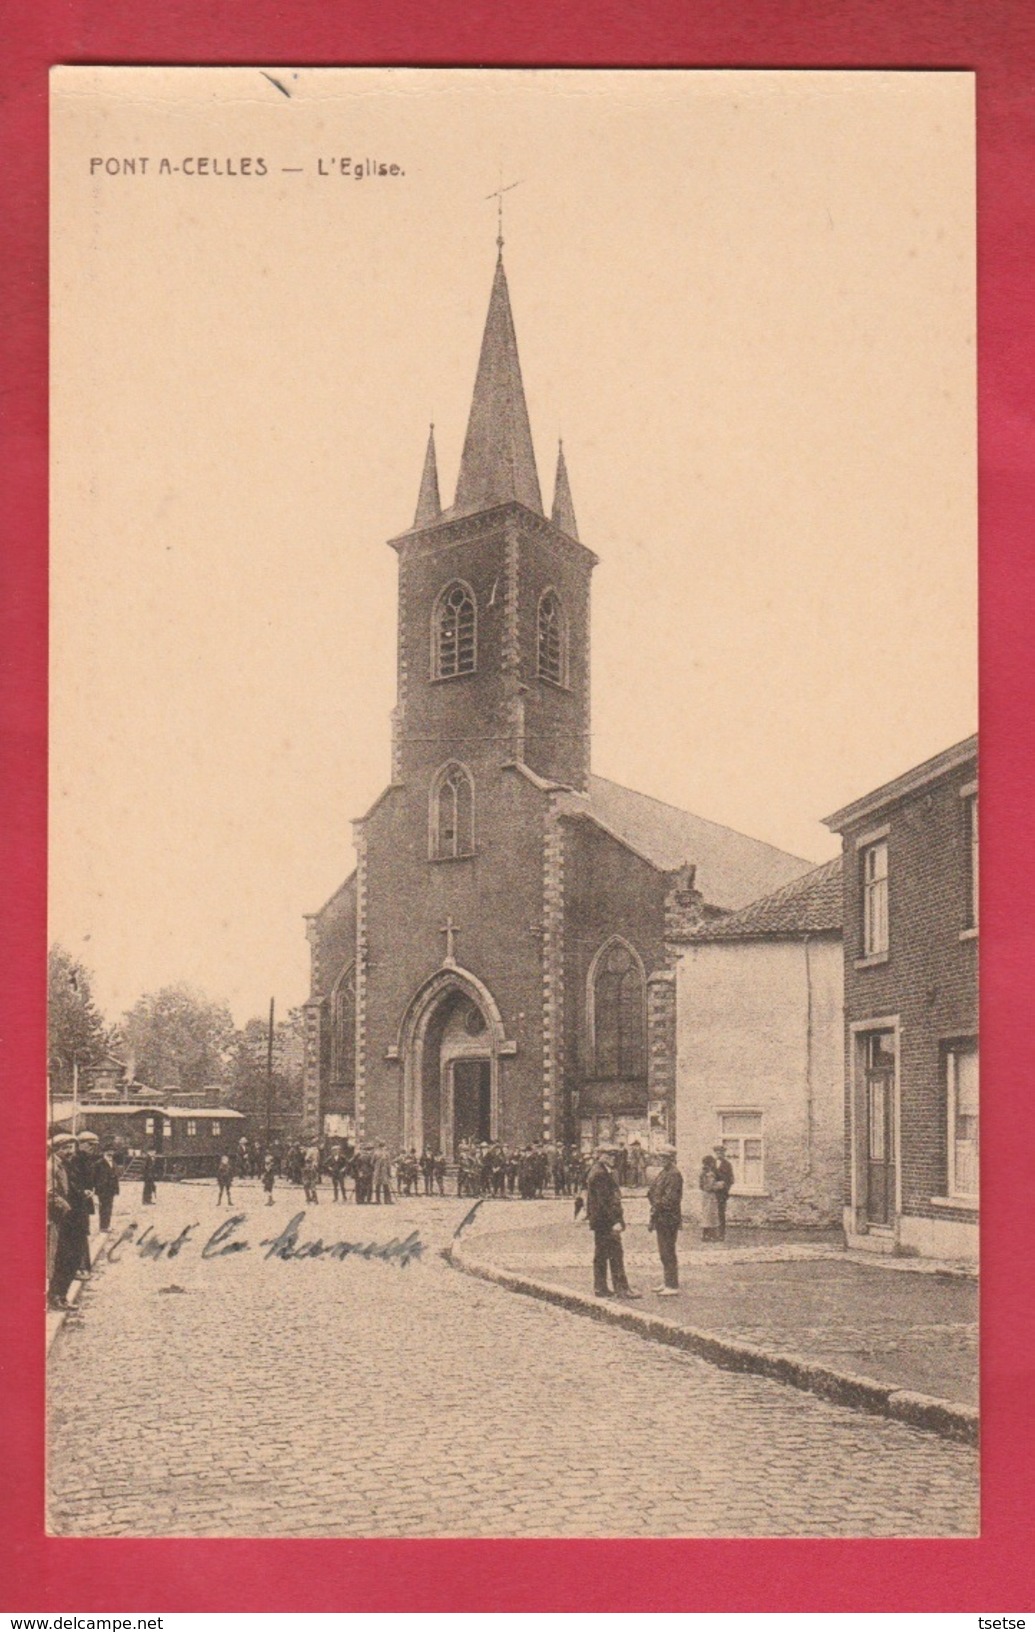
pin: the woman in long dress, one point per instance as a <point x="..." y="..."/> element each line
<point x="709" y="1201"/>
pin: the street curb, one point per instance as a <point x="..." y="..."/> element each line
<point x="942" y="1417"/>
<point x="54" y="1329"/>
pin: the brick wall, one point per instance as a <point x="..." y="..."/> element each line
<point x="929" y="979"/>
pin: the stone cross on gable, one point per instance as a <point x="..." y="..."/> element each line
<point x="449" y="929"/>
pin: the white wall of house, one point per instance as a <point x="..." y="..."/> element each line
<point x="760" y="1055"/>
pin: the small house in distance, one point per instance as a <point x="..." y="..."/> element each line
<point x="910" y="853"/>
<point x="760" y="1052"/>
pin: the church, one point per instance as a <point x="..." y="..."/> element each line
<point x="500" y="964"/>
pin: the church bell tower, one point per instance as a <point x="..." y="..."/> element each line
<point x="494" y="596"/>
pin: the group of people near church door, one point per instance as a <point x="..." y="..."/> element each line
<point x="606" y="1217"/>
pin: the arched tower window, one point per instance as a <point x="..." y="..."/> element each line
<point x="454" y="633"/>
<point x="617" y="1012"/>
<point x="452" y="814"/>
<point x="553" y="639"/>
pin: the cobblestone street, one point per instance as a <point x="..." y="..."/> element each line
<point x="256" y="1396"/>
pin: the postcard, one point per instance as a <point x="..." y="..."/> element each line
<point x="513" y="1050"/>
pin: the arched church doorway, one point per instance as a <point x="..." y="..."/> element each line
<point x="450" y="1052"/>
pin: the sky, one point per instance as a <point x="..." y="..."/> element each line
<point x="746" y="301"/>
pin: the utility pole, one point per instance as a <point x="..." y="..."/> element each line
<point x="269" y="1076"/>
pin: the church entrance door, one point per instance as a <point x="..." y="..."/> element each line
<point x="472" y="1101"/>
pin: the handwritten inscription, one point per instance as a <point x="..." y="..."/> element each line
<point x="225" y="1241"/>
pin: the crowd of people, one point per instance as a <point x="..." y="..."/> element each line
<point x="370" y="1173"/>
<point x="84" y="1180"/>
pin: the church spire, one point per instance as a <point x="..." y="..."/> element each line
<point x="563" y="515"/>
<point x="498" y="462"/>
<point x="429" y="505"/>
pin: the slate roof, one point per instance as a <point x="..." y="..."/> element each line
<point x="498" y="461"/>
<point x="811" y="905"/>
<point x="732" y="869"/>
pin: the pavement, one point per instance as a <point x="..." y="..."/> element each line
<point x="282" y="1391"/>
<point x="905" y="1324"/>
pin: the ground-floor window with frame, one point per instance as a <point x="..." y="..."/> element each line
<point x="961" y="1070"/>
<point x="741" y="1134"/>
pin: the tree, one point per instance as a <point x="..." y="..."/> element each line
<point x="179" y="1038"/>
<point x="248" y="1088"/>
<point x="75" y="1029"/>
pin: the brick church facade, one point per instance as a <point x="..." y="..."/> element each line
<point x="496" y="966"/>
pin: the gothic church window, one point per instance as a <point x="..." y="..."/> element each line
<point x="452" y="814"/>
<point x="618" y="1012"/>
<point x="343" y="1028"/>
<point x="553" y="644"/>
<point x="454" y="633"/>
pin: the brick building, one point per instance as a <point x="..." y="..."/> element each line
<point x="911" y="1009"/>
<point x="484" y="972"/>
<point x="760" y="1052"/>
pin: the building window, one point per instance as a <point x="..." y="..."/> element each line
<point x="962" y="1086"/>
<point x="970" y="821"/>
<point x="740" y="1132"/>
<point x="215" y="1130"/>
<point x="553" y="641"/>
<point x="149" y="1125"/>
<point x="192" y="1127"/>
<point x="167" y="1130"/>
<point x="875" y="899"/>
<point x="452" y="814"/>
<point x="343" y="1028"/>
<point x="617" y="990"/>
<point x="455" y="635"/>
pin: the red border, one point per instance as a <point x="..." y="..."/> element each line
<point x="996" y="39"/>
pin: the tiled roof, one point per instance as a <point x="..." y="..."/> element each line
<point x="732" y="869"/>
<point x="809" y="905"/>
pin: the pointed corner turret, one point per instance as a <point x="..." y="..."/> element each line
<point x="563" y="513"/>
<point x="498" y="462"/>
<point x="429" y="505"/>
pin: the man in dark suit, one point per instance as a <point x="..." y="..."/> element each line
<point x="69" y="1210"/>
<point x="665" y="1195"/>
<point x="105" y="1188"/>
<point x="607" y="1221"/>
<point x="724" y="1184"/>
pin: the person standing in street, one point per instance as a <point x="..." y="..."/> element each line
<point x="337" y="1168"/>
<point x="83" y="1166"/>
<point x="709" y="1204"/>
<point x="311" y="1177"/>
<point x="607" y="1221"/>
<point x="382" y="1176"/>
<point x="724" y="1177"/>
<point x="268" y="1178"/>
<point x="665" y="1195"/>
<point x="224" y="1179"/>
<point x="106" y="1188"/>
<point x="68" y="1210"/>
<point x="150" y="1177"/>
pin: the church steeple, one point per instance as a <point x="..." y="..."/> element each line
<point x="563" y="514"/>
<point x="429" y="505"/>
<point x="498" y="462"/>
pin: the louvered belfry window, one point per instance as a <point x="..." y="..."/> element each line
<point x="455" y="633"/>
<point x="551" y="639"/>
